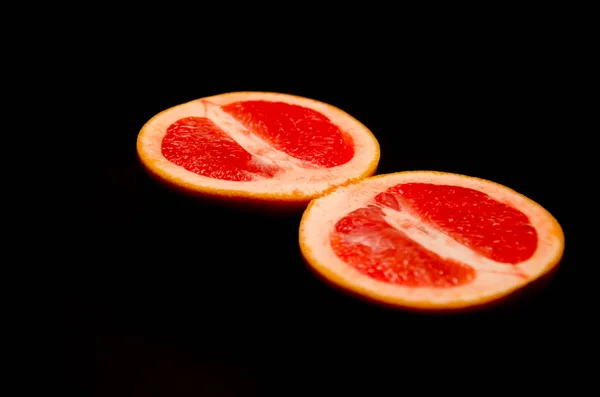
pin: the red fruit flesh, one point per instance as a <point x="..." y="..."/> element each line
<point x="201" y="146"/>
<point x="365" y="240"/>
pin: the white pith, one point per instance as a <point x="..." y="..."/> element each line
<point x="296" y="178"/>
<point x="492" y="278"/>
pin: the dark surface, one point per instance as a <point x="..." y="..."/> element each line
<point x="173" y="298"/>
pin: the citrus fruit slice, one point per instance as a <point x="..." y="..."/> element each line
<point x="257" y="147"/>
<point x="429" y="241"/>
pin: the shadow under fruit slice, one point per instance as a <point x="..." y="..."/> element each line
<point x="264" y="148"/>
<point x="429" y="240"/>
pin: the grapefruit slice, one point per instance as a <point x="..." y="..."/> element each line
<point x="257" y="147"/>
<point x="430" y="241"/>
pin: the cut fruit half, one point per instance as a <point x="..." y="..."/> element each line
<point x="429" y="241"/>
<point x="265" y="148"/>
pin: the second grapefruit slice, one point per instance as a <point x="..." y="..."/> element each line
<point x="265" y="148"/>
<point x="430" y="241"/>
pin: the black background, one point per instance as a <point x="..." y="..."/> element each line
<point x="174" y="298"/>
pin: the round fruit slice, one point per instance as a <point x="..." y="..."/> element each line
<point x="429" y="240"/>
<point x="257" y="147"/>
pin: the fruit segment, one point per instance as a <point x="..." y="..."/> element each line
<point x="492" y="228"/>
<point x="379" y="240"/>
<point x="201" y="146"/>
<point x="302" y="133"/>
